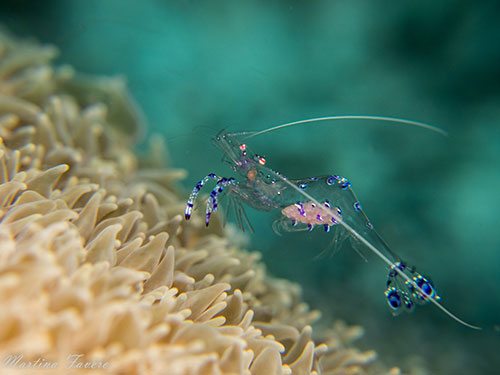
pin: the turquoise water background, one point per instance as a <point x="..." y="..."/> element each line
<point x="198" y="67"/>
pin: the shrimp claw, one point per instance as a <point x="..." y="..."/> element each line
<point x="406" y="294"/>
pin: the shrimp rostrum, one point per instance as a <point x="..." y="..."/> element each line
<point x="324" y="201"/>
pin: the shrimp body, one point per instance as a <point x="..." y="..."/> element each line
<point x="306" y="203"/>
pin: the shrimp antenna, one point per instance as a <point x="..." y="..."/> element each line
<point x="352" y="117"/>
<point x="365" y="242"/>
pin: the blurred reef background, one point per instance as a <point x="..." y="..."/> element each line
<point x="198" y="67"/>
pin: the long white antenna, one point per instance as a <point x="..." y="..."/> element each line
<point x="353" y="117"/>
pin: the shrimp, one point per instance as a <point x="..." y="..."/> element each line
<point x="326" y="201"/>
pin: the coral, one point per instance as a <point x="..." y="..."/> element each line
<point x="96" y="260"/>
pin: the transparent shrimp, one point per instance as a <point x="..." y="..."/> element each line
<point x="326" y="201"/>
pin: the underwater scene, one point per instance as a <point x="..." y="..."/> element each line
<point x="187" y="72"/>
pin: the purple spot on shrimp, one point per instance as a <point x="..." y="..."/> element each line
<point x="408" y="302"/>
<point x="300" y="208"/>
<point x="345" y="183"/>
<point x="313" y="178"/>
<point x="303" y="186"/>
<point x="318" y="217"/>
<point x="294" y="222"/>
<point x="357" y="206"/>
<point x="310" y="227"/>
<point x="330" y="180"/>
<point x="339" y="211"/>
<point x="393" y="298"/>
<point x="400" y="265"/>
<point x="327" y="228"/>
<point x="326" y="204"/>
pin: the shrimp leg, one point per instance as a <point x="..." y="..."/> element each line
<point x="194" y="193"/>
<point x="222" y="182"/>
<point x="212" y="200"/>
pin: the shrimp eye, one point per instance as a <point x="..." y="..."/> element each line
<point x="243" y="149"/>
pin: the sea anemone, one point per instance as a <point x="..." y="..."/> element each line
<point x="97" y="269"/>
